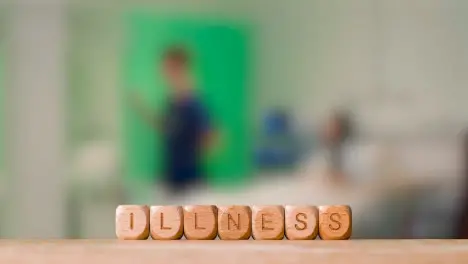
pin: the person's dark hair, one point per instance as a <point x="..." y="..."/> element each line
<point x="178" y="54"/>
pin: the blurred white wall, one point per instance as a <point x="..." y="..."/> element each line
<point x="399" y="65"/>
<point x="35" y="118"/>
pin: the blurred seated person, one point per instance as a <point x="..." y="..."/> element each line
<point x="336" y="135"/>
<point x="342" y="158"/>
<point x="338" y="159"/>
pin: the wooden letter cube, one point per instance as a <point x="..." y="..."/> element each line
<point x="234" y="222"/>
<point x="301" y="222"/>
<point x="200" y="222"/>
<point x="268" y="222"/>
<point x="335" y="222"/>
<point x="166" y="222"/>
<point x="132" y="222"/>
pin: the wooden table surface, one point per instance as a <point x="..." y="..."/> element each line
<point x="225" y="252"/>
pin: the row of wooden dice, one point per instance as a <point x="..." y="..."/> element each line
<point x="205" y="222"/>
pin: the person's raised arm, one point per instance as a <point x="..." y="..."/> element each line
<point x="210" y="134"/>
<point x="148" y="115"/>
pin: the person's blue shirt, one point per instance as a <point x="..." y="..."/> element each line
<point x="185" y="124"/>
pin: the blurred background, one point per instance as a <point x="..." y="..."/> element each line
<point x="359" y="102"/>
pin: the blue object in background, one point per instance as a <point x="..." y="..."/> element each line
<point x="278" y="147"/>
<point x="276" y="123"/>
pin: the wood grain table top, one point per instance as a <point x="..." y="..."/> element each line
<point x="226" y="252"/>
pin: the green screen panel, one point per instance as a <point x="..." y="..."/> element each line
<point x="221" y="67"/>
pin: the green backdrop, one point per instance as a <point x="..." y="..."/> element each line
<point x="220" y="52"/>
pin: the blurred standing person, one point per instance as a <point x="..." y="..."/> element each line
<point x="185" y="126"/>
